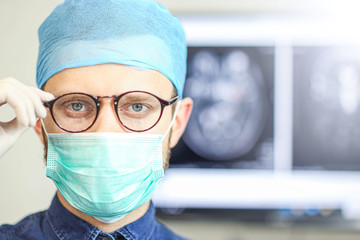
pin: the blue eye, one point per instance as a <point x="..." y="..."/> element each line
<point x="77" y="106"/>
<point x="137" y="107"/>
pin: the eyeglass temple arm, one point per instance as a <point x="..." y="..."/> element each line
<point x="171" y="101"/>
<point x="48" y="104"/>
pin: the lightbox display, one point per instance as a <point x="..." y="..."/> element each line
<point x="276" y="118"/>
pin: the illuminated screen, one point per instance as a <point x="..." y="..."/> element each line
<point x="326" y="108"/>
<point x="275" y="119"/>
<point x="231" y="125"/>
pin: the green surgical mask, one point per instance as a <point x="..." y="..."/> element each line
<point x="105" y="175"/>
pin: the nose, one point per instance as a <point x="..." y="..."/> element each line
<point x="107" y="120"/>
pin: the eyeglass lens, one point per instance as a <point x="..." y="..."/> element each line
<point x="137" y="111"/>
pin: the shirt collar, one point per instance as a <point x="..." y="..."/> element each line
<point x="68" y="226"/>
<point x="142" y="228"/>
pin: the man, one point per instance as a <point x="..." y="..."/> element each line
<point x="112" y="74"/>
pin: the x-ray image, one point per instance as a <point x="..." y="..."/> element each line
<point x="326" y="108"/>
<point x="232" y="121"/>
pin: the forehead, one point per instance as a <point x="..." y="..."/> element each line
<point x="109" y="79"/>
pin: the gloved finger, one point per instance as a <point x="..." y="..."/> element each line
<point x="20" y="105"/>
<point x="34" y="106"/>
<point x="39" y="108"/>
<point x="44" y="96"/>
<point x="8" y="86"/>
<point x="30" y="110"/>
<point x="26" y="101"/>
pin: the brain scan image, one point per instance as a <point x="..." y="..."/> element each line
<point x="232" y="104"/>
<point x="327" y="108"/>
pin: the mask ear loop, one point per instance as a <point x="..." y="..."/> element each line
<point x="173" y="118"/>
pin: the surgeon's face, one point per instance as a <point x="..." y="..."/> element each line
<point x="107" y="80"/>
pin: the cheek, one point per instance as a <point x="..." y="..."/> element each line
<point x="165" y="145"/>
<point x="166" y="141"/>
<point x="164" y="123"/>
<point x="50" y="125"/>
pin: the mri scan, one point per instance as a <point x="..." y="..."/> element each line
<point x="231" y="123"/>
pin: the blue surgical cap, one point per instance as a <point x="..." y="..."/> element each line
<point x="138" y="33"/>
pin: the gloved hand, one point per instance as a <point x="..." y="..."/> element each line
<point x="27" y="103"/>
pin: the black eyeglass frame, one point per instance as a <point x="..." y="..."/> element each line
<point x="163" y="103"/>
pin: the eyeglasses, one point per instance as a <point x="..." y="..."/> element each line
<point x="137" y="111"/>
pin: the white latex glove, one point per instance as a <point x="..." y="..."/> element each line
<point x="28" y="106"/>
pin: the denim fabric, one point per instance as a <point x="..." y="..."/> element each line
<point x="58" y="223"/>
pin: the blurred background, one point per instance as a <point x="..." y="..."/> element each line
<point x="272" y="147"/>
